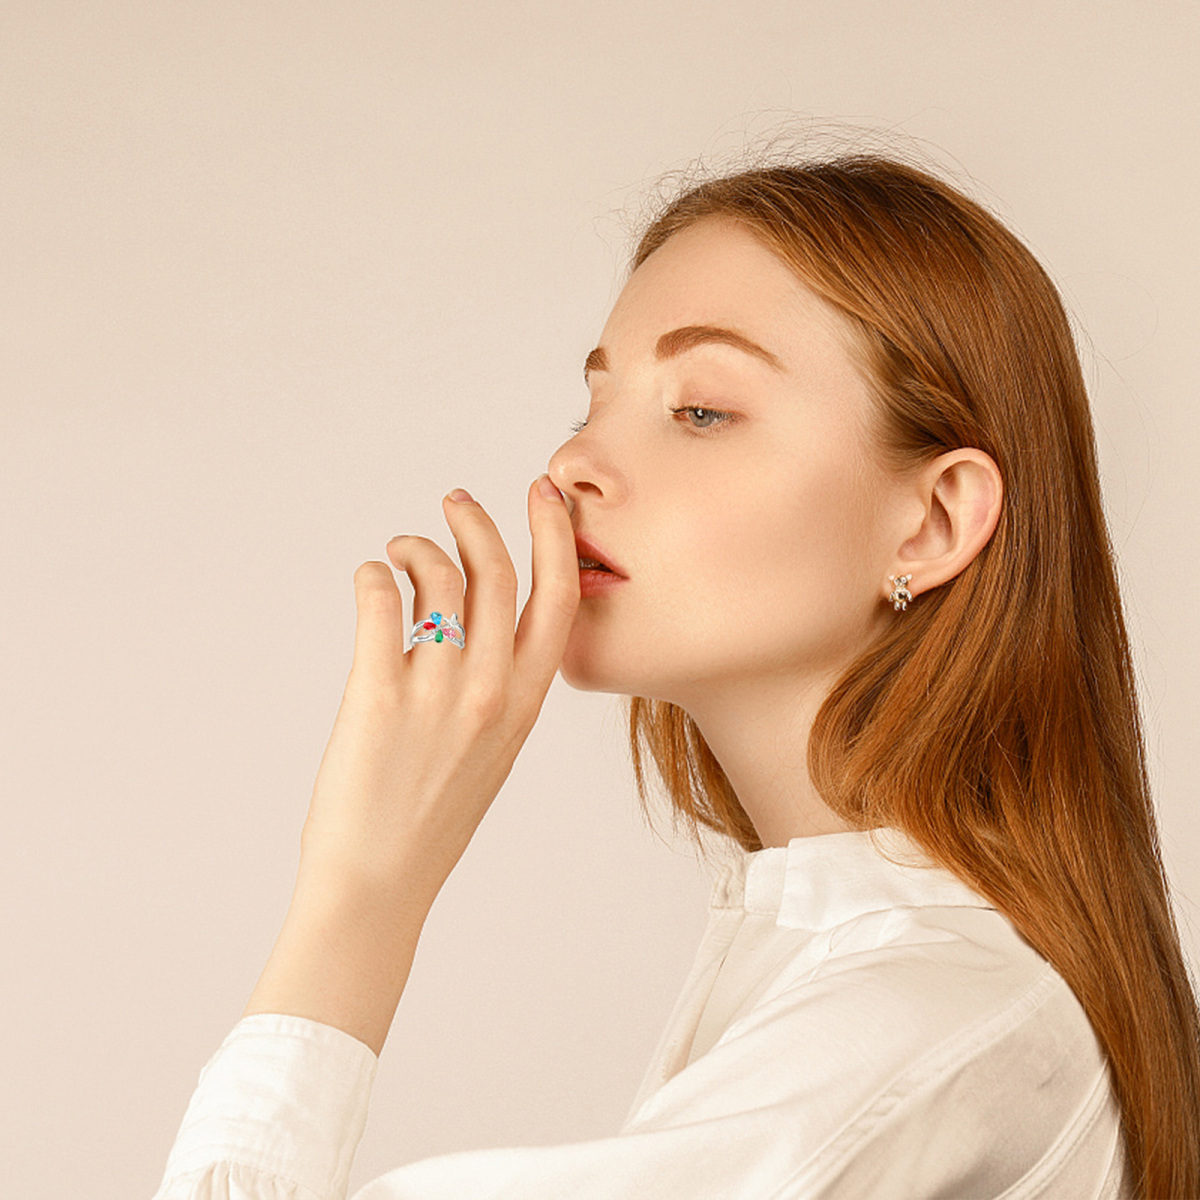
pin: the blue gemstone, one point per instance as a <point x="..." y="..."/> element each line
<point x="435" y="616"/>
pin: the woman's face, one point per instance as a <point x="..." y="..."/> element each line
<point x="757" y="545"/>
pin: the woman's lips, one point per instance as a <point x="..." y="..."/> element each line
<point x="586" y="548"/>
<point x="597" y="583"/>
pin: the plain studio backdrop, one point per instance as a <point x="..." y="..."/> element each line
<point x="276" y="277"/>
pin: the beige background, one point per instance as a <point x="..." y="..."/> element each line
<point x="276" y="276"/>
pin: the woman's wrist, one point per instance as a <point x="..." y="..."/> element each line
<point x="407" y="878"/>
<point x="344" y="952"/>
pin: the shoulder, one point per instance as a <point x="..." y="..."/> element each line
<point x="923" y="1051"/>
<point x="933" y="1036"/>
<point x="943" y="984"/>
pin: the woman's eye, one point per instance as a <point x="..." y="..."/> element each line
<point x="724" y="417"/>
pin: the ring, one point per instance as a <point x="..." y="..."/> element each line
<point x="438" y="629"/>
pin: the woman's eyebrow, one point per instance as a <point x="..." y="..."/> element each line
<point x="677" y="341"/>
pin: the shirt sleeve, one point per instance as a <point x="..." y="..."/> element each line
<point x="850" y="1088"/>
<point x="277" y="1114"/>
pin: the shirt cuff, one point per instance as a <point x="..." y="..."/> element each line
<point x="284" y="1094"/>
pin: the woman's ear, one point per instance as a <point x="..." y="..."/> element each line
<point x="959" y="494"/>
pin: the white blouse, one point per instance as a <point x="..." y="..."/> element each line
<point x="850" y="1028"/>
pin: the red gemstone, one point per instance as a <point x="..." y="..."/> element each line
<point x="429" y="625"/>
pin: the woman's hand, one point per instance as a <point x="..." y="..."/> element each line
<point x="425" y="737"/>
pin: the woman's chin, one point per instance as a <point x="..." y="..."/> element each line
<point x="582" y="669"/>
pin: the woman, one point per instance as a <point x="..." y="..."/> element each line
<point x="837" y="421"/>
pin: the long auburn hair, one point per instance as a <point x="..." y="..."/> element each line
<point x="996" y="722"/>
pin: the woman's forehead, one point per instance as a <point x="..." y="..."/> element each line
<point x="716" y="273"/>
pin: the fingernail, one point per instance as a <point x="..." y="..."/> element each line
<point x="462" y="496"/>
<point x="548" y="489"/>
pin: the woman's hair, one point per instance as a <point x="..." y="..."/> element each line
<point x="996" y="722"/>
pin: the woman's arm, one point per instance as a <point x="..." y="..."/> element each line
<point x="423" y="741"/>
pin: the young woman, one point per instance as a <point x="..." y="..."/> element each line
<point x="840" y="463"/>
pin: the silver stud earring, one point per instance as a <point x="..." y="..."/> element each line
<point x="900" y="594"/>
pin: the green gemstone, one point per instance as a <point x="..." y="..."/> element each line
<point x="437" y="637"/>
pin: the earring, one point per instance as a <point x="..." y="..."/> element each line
<point x="900" y="594"/>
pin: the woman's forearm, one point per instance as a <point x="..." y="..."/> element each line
<point x="343" y="955"/>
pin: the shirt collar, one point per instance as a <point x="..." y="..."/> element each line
<point x="818" y="882"/>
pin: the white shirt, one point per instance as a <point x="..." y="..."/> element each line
<point x="850" y="1028"/>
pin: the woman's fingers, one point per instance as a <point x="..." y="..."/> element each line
<point x="491" y="596"/>
<point x="437" y="587"/>
<point x="549" y="612"/>
<point x="486" y="604"/>
<point x="494" y="660"/>
<point x="379" y="626"/>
